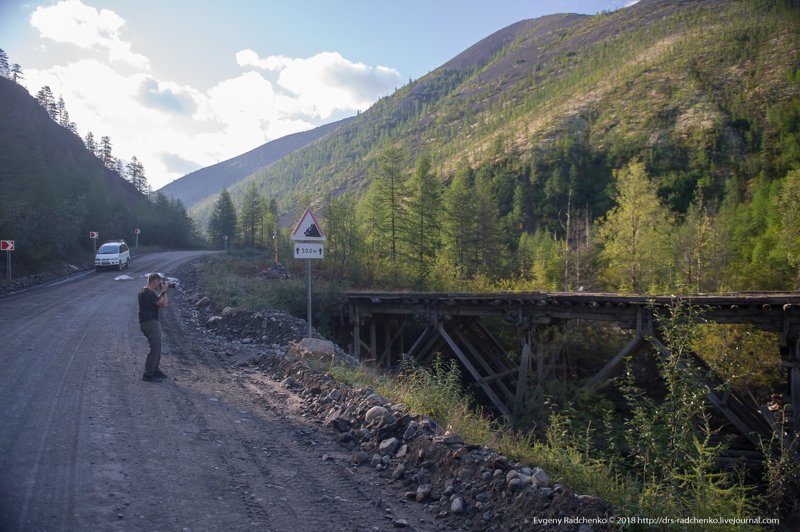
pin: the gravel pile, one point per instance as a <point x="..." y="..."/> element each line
<point x="462" y="486"/>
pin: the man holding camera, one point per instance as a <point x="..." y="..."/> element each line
<point x="149" y="305"/>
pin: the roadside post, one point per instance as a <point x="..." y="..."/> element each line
<point x="8" y="247"/>
<point x="136" y="232"/>
<point x="308" y="237"/>
<point x="225" y="239"/>
<point x="93" y="235"/>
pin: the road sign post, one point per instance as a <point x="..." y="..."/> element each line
<point x="8" y="247"/>
<point x="308" y="229"/>
<point x="93" y="235"/>
<point x="136" y="232"/>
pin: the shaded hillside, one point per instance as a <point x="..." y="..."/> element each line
<point x="53" y="191"/>
<point x="687" y="86"/>
<point x="210" y="181"/>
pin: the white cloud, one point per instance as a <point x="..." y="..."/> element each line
<point x="172" y="127"/>
<point x="326" y="82"/>
<point x="248" y="57"/>
<point x="73" y="22"/>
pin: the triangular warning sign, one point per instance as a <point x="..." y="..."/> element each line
<point x="308" y="228"/>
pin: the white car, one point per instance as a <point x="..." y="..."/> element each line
<point x="113" y="255"/>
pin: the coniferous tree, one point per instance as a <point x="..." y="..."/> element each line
<point x="269" y="227"/>
<point x="136" y="176"/>
<point x="538" y="258"/>
<point x="105" y="152"/>
<point x="47" y="101"/>
<point x="789" y="208"/>
<point x="635" y="234"/>
<point x="388" y="181"/>
<point x="459" y="218"/>
<point x="62" y="113"/>
<point x="380" y="214"/>
<point x="251" y="217"/>
<point x="5" y="70"/>
<point x="421" y="231"/>
<point x="223" y="221"/>
<point x="341" y="224"/>
<point x="90" y="143"/>
<point x="488" y="249"/>
<point x="16" y="73"/>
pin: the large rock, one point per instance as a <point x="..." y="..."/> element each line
<point x="317" y="346"/>
<point x="388" y="446"/>
<point x="230" y="312"/>
<point x="379" y="414"/>
<point x="312" y="349"/>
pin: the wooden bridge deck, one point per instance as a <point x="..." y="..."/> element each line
<point x="451" y="322"/>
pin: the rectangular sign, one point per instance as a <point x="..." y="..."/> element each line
<point x="6" y="245"/>
<point x="308" y="251"/>
<point x="92" y="234"/>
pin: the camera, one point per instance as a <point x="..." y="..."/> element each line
<point x="166" y="284"/>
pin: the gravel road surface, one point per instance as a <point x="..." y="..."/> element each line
<point x="85" y="444"/>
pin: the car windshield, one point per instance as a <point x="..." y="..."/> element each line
<point x="107" y="249"/>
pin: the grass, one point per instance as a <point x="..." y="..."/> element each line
<point x="696" y="491"/>
<point x="685" y="484"/>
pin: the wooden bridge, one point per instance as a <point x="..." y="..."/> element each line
<point x="420" y="325"/>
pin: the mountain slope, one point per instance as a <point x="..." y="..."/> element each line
<point x="688" y="86"/>
<point x="210" y="181"/>
<point x="53" y="191"/>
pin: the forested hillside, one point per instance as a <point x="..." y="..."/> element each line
<point x="53" y="191"/>
<point x="515" y="164"/>
<point x="209" y="182"/>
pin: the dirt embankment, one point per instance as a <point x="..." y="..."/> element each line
<point x="457" y="486"/>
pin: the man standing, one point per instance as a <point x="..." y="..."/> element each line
<point x="149" y="304"/>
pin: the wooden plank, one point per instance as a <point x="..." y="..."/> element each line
<point x="474" y="372"/>
<point x="373" y="343"/>
<point x="390" y="340"/>
<point x="794" y="393"/>
<point x="492" y="378"/>
<point x="735" y="416"/>
<point x="602" y="376"/>
<point x="418" y="342"/>
<point x="356" y="331"/>
<point x="504" y="364"/>
<point x="475" y="353"/>
<point x="433" y="347"/>
<point x="522" y="377"/>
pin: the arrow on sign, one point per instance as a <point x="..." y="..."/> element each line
<point x="6" y="245"/>
<point x="303" y="250"/>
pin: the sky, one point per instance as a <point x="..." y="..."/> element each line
<point x="184" y="84"/>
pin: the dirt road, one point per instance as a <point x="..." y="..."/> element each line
<point x="85" y="444"/>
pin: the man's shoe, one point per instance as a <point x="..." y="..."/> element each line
<point x="151" y="378"/>
<point x="160" y="374"/>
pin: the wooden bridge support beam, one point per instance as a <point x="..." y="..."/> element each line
<point x="454" y="322"/>
<point x="501" y="407"/>
<point x="792" y="363"/>
<point x="600" y="379"/>
<point x="745" y="419"/>
<point x="522" y="375"/>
